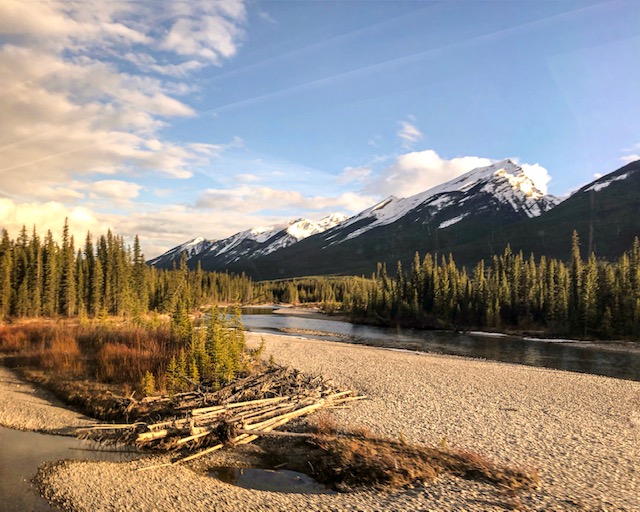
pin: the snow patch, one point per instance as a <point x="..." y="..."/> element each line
<point x="453" y="221"/>
<point x="597" y="187"/>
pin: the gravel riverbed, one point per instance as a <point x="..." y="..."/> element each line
<point x="580" y="432"/>
<point x="26" y="407"/>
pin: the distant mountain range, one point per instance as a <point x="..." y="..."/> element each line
<point x="472" y="217"/>
<point x="246" y="245"/>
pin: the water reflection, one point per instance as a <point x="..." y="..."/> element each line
<point x="561" y="356"/>
<point x="281" y="480"/>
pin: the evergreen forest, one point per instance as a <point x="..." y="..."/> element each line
<point x="584" y="297"/>
<point x="105" y="277"/>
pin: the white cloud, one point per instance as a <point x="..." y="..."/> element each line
<point x="354" y="175"/>
<point x="210" y="31"/>
<point x="253" y="199"/>
<point x="48" y="216"/>
<point x="115" y="190"/>
<point x="76" y="113"/>
<point x="630" y="158"/>
<point x="247" y="178"/>
<point x="536" y="173"/>
<point x="267" y="17"/>
<point x="409" y="133"/>
<point x="419" y="171"/>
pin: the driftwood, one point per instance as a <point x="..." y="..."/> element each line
<point x="238" y="414"/>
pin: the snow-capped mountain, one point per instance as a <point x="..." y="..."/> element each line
<point x="472" y="216"/>
<point x="502" y="184"/>
<point x="250" y="243"/>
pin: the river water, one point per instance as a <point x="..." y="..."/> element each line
<point x="575" y="357"/>
<point x="21" y="453"/>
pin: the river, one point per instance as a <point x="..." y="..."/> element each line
<point x="576" y="357"/>
<point x="21" y="453"/>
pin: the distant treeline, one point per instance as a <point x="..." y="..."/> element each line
<point x="579" y="298"/>
<point x="585" y="298"/>
<point x="40" y="277"/>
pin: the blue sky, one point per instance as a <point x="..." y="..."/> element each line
<point x="181" y="119"/>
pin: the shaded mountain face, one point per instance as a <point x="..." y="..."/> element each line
<point x="605" y="213"/>
<point x="248" y="244"/>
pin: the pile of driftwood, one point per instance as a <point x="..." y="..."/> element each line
<point x="203" y="422"/>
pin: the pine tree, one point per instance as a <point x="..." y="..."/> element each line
<point x="148" y="384"/>
<point x="589" y="299"/>
<point x="51" y="272"/>
<point x="139" y="275"/>
<point x="6" y="268"/>
<point x="67" y="298"/>
<point x="575" y="291"/>
<point x="34" y="274"/>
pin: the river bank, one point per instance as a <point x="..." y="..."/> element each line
<point x="581" y="433"/>
<point x="24" y="406"/>
<point x="524" y="335"/>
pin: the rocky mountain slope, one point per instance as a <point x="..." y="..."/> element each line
<point x="481" y="202"/>
<point x="248" y="244"/>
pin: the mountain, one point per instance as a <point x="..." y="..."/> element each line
<point x="472" y="217"/>
<point x="605" y="213"/>
<point x="248" y="244"/>
<point x="503" y="186"/>
<point x="479" y="202"/>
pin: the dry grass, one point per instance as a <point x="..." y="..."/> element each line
<point x="358" y="458"/>
<point x="108" y="352"/>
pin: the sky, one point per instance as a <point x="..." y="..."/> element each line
<point x="177" y="119"/>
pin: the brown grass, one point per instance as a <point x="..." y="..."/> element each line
<point x="361" y="459"/>
<point x="62" y="351"/>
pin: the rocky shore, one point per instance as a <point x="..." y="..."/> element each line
<point x="580" y="432"/>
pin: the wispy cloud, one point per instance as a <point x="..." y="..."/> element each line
<point x="79" y="110"/>
<point x="409" y="132"/>
<point x="630" y="158"/>
<point x="256" y="199"/>
<point x="354" y="175"/>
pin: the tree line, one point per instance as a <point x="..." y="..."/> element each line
<point x="40" y="277"/>
<point x="584" y="298"/>
<point x="581" y="297"/>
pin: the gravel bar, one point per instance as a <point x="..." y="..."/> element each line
<point x="580" y="432"/>
<point x="26" y="407"/>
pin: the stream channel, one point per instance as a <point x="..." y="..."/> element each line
<point x="593" y="358"/>
<point x="21" y="453"/>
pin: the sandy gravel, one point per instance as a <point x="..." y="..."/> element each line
<point x="25" y="407"/>
<point x="581" y="432"/>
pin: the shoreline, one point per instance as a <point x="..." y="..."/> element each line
<point x="315" y="313"/>
<point x="26" y="406"/>
<point x="584" y="444"/>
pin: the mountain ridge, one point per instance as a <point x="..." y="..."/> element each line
<point x="251" y="242"/>
<point x="500" y="193"/>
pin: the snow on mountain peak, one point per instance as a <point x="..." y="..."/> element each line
<point x="521" y="182"/>
<point x="332" y="220"/>
<point x="302" y="228"/>
<point x="242" y="244"/>
<point x="507" y="181"/>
